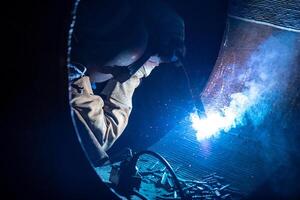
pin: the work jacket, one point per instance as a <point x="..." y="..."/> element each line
<point x="101" y="119"/>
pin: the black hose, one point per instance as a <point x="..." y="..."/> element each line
<point x="197" y="101"/>
<point x="165" y="162"/>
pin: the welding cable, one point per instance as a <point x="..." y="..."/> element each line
<point x="197" y="102"/>
<point x="163" y="161"/>
<point x="188" y="82"/>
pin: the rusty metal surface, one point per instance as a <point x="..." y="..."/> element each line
<point x="248" y="155"/>
<point x="240" y="41"/>
<point x="281" y="13"/>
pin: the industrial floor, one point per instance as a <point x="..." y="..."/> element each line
<point x="154" y="186"/>
<point x="229" y="166"/>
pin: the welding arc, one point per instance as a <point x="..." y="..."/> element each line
<point x="163" y="161"/>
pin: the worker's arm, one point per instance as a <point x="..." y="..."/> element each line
<point x="102" y="120"/>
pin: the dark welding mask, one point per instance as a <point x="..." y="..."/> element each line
<point x="172" y="51"/>
<point x="166" y="35"/>
<point x="166" y="30"/>
<point x="122" y="45"/>
<point x="161" y="37"/>
<point x="108" y="38"/>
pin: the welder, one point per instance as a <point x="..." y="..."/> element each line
<point x="113" y="46"/>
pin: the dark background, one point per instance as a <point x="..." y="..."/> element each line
<point x="42" y="158"/>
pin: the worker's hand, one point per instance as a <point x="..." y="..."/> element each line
<point x="147" y="68"/>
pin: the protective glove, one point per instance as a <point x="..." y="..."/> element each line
<point x="147" y="68"/>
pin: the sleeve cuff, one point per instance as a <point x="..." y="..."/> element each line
<point x="81" y="86"/>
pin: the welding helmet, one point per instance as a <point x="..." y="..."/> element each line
<point x="167" y="32"/>
<point x="122" y="44"/>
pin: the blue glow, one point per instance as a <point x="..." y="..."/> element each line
<point x="264" y="78"/>
<point x="215" y="121"/>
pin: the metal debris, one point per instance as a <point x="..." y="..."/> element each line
<point x="209" y="187"/>
<point x="225" y="186"/>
